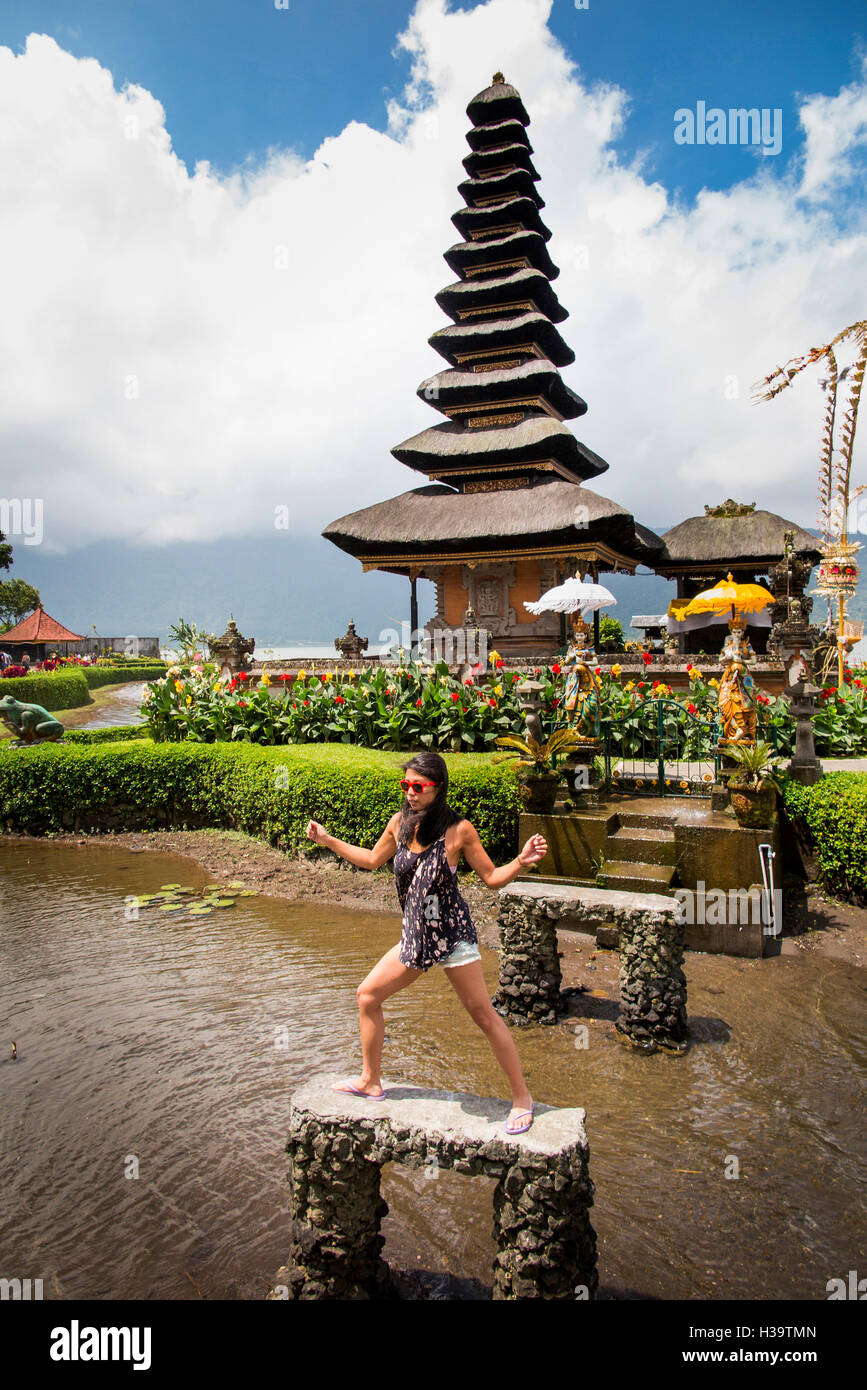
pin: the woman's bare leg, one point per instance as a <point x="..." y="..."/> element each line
<point x="468" y="982"/>
<point x="385" y="979"/>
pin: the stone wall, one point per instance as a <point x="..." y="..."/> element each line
<point x="546" y="1246"/>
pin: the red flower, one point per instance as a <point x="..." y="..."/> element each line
<point x="468" y="681"/>
<point x="646" y="658"/>
<point x="243" y="675"/>
<point x="294" y="704"/>
<point x="307" y="702"/>
<point x="455" y="696"/>
<point x="323" y="678"/>
<point x="555" y="669"/>
<point x="498" y="663"/>
<point x="232" y="684"/>
<point x="242" y="704"/>
<point x="463" y="711"/>
<point x="556" y="703"/>
<point x="537" y="671"/>
<point x="490" y="702"/>
<point x="339" y="700"/>
<point x="655" y="684"/>
<point x="418" y="704"/>
<point x="689" y="666"/>
<point x="641" y="685"/>
<point x="691" y="709"/>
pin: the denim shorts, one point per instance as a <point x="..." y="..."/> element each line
<point x="464" y="952"/>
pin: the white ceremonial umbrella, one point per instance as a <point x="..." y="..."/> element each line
<point x="573" y="596"/>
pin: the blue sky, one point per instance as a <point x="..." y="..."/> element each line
<point x="238" y="76"/>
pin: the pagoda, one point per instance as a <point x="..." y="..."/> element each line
<point x="505" y="515"/>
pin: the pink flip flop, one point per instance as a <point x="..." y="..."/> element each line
<point x="351" y="1091"/>
<point x="526" y="1123"/>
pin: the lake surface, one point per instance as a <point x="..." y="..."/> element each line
<point x="170" y="1046"/>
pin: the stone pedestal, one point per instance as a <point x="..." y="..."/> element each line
<point x="651" y="932"/>
<point x="546" y="1246"/>
<point x="530" y="975"/>
<point x="652" y="982"/>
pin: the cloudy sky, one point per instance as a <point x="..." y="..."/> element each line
<point x="223" y="228"/>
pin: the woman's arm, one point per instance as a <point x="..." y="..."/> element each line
<point x="535" y="849"/>
<point x="374" y="858"/>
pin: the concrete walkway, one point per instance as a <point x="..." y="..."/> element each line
<point x="844" y="764"/>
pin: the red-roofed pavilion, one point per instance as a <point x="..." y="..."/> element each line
<point x="38" y="634"/>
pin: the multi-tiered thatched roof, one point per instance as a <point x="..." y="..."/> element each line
<point x="506" y="473"/>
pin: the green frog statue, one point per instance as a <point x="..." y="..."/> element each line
<point x="31" y="723"/>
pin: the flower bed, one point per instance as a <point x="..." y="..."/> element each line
<point x="412" y="706"/>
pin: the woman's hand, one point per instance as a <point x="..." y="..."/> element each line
<point x="316" y="832"/>
<point x="535" y="849"/>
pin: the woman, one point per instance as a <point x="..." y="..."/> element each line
<point x="437" y="927"/>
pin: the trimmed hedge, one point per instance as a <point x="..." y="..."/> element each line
<point x="70" y="687"/>
<point x="116" y="675"/>
<point x="51" y="689"/>
<point x="833" y="814"/>
<point x="110" y="734"/>
<point x="270" y="792"/>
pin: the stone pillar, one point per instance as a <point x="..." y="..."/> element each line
<point x="530" y="975"/>
<point x="652" y="982"/>
<point x="335" y="1243"/>
<point x="546" y="1246"/>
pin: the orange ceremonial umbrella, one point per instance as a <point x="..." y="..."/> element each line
<point x="740" y="598"/>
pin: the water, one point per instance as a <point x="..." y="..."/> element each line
<point x="158" y="1044"/>
<point x="114" y="705"/>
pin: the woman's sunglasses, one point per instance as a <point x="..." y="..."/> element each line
<point x="416" y="786"/>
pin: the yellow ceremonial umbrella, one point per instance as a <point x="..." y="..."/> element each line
<point x="740" y="598"/>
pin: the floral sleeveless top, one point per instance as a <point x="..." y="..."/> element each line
<point x="435" y="916"/>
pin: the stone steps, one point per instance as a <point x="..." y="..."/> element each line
<point x="639" y="844"/>
<point x="635" y="876"/>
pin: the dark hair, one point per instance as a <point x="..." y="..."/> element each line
<point x="428" y="824"/>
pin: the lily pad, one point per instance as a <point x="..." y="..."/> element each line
<point x="223" y="902"/>
<point x="165" y="887"/>
<point x="236" y="883"/>
<point x="200" y="911"/>
<point x="172" y="907"/>
<point x="248" y="893"/>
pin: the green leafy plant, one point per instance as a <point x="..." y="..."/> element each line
<point x="539" y="758"/>
<point x="756" y="765"/>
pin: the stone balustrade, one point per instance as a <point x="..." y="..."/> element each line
<point x="546" y="1246"/>
<point x="651" y="942"/>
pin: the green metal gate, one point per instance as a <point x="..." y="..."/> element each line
<point x="659" y="749"/>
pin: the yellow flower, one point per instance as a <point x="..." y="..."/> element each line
<point x="302" y="675"/>
<point x="189" y="700"/>
<point x="179" y="685"/>
<point x="494" y="656"/>
<point x="351" y="672"/>
<point x="695" y="675"/>
<point x="498" y="690"/>
<point x="714" y="683"/>
<point x="265" y="679"/>
<point x="328" y="675"/>
<point x="616" y="670"/>
<point x="685" y="786"/>
<point x="630" y="685"/>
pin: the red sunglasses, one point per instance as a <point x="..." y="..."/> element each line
<point x="416" y="786"/>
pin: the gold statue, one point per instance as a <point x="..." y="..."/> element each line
<point x="737" y="697"/>
<point x="581" y="684"/>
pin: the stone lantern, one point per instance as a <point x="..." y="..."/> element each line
<point x="232" y="651"/>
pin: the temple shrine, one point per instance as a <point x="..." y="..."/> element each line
<point x="505" y="514"/>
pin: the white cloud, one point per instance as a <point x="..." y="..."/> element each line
<point x="274" y="322"/>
